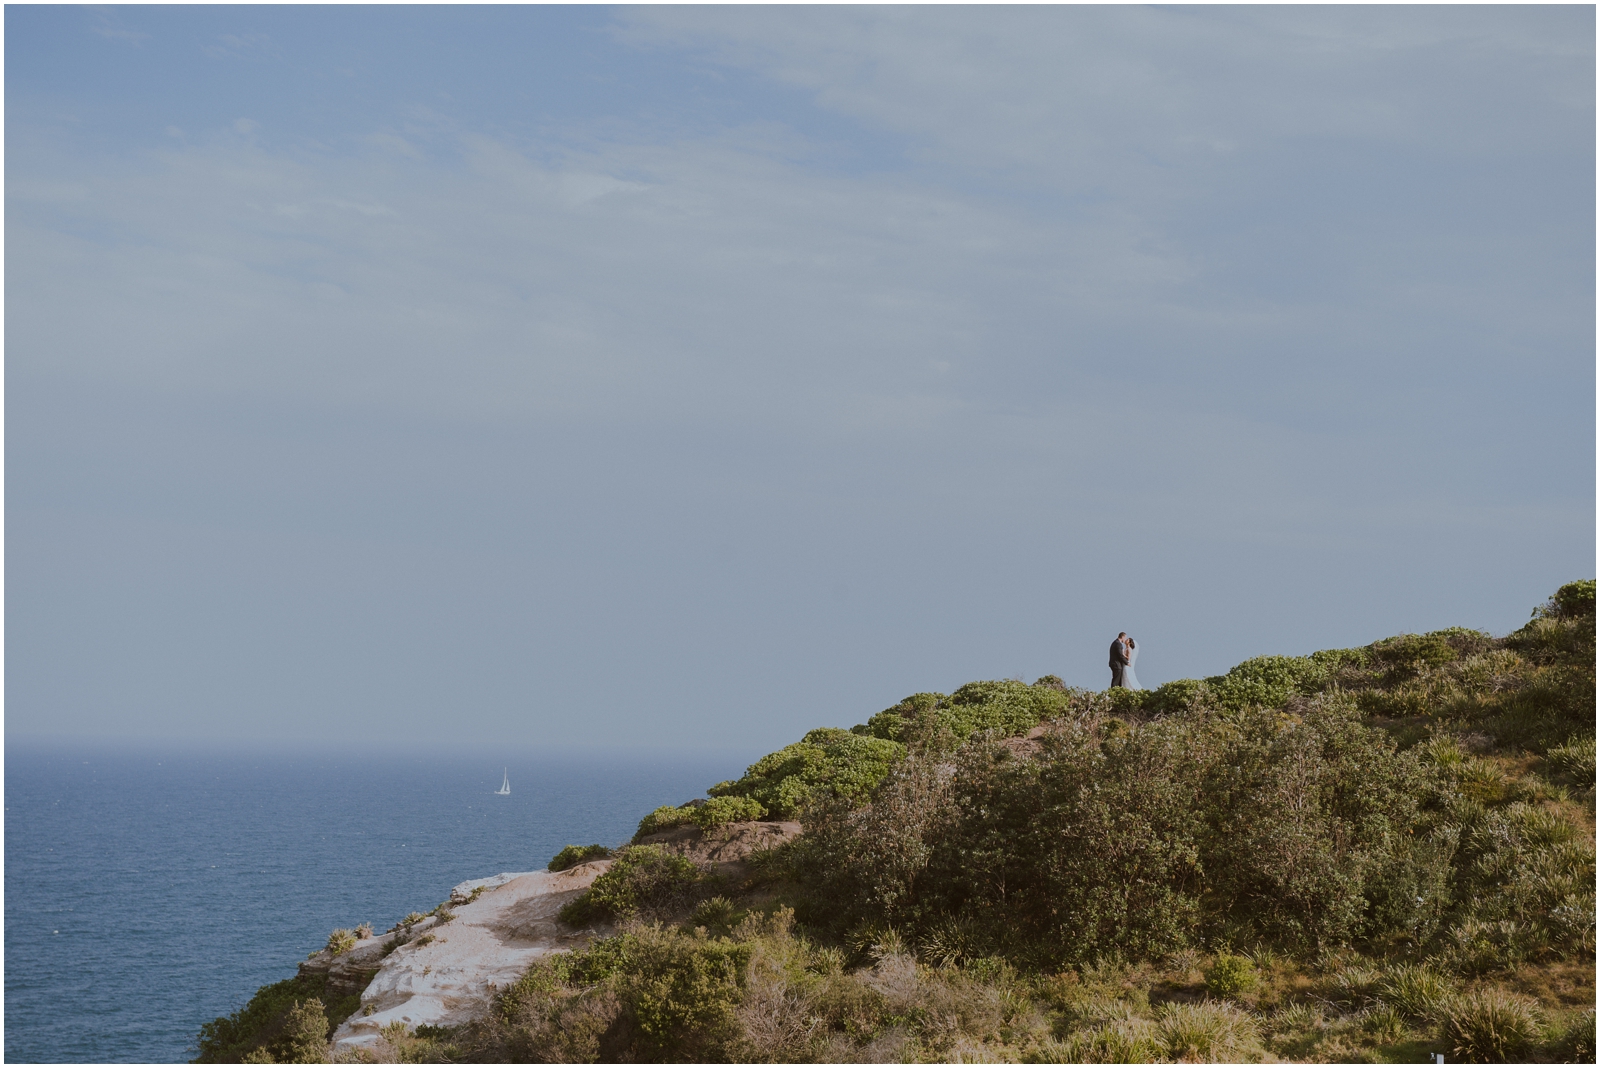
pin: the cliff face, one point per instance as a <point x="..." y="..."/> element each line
<point x="444" y="971"/>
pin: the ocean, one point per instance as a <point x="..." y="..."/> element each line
<point x="148" y="891"/>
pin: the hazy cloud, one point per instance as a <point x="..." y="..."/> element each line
<point x="864" y="350"/>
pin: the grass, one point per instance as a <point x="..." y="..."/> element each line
<point x="1491" y="1025"/>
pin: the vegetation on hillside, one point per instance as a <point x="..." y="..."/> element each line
<point x="1364" y="854"/>
<point x="288" y="1022"/>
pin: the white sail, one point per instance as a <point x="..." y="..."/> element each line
<point x="505" y="782"/>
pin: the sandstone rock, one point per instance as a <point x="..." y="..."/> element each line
<point x="462" y="893"/>
<point x="347" y="973"/>
<point x="451" y="978"/>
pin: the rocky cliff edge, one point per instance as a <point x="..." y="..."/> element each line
<point x="444" y="969"/>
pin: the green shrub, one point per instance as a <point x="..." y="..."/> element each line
<point x="1005" y="707"/>
<point x="1574" y="760"/>
<point x="1295" y="1016"/>
<point x="1384" y="1023"/>
<point x="890" y="724"/>
<point x="573" y="855"/>
<point x="643" y="878"/>
<point x="1230" y="974"/>
<point x="280" y="1023"/>
<point x="1575" y="1045"/>
<point x="1207" y="1031"/>
<point x="1416" y="990"/>
<point x="1409" y="655"/>
<point x="1173" y="698"/>
<point x="1491" y="1026"/>
<point x="305" y="1034"/>
<point x="1125" y="1041"/>
<point x="650" y="994"/>
<point x="827" y="763"/>
<point x="342" y="940"/>
<point x="684" y="993"/>
<point x="1356" y="983"/>
<point x="1307" y="815"/>
<point x="1267" y="681"/>
<point x="1098" y="846"/>
<point x="723" y="810"/>
<point x="664" y="819"/>
<point x="1574" y="600"/>
<point x="716" y="912"/>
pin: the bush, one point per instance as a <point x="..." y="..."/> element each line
<point x="716" y="912"/>
<point x="1384" y="1023"/>
<point x="649" y="994"/>
<point x="1572" y="601"/>
<point x="1416" y="990"/>
<point x="1006" y="707"/>
<point x="1208" y="1031"/>
<point x="862" y="866"/>
<point x="1491" y="1026"/>
<point x="1576" y="1043"/>
<point x="282" y="1022"/>
<point x="1266" y="681"/>
<point x="684" y="992"/>
<point x="1178" y="696"/>
<point x="305" y="1034"/>
<point x="723" y="810"/>
<point x="1307" y="814"/>
<point x="1097" y="847"/>
<point x="1574" y="760"/>
<point x="890" y="724"/>
<point x="642" y="879"/>
<point x="1126" y="1041"/>
<point x="664" y="819"/>
<point x="573" y="855"/>
<point x="1409" y="655"/>
<point x="342" y="940"/>
<point x="1230" y="974"/>
<point x="826" y="763"/>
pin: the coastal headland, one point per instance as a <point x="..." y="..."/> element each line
<point x="1376" y="853"/>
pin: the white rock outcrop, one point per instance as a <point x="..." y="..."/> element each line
<point x="450" y="978"/>
<point x="446" y="974"/>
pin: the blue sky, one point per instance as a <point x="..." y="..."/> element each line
<point x="661" y="376"/>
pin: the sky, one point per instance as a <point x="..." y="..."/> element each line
<point x="678" y="376"/>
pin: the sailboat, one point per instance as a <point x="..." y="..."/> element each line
<point x="505" y="784"/>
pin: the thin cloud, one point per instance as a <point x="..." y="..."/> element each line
<point x="104" y="27"/>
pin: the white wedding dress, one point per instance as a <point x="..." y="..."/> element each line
<point x="1129" y="679"/>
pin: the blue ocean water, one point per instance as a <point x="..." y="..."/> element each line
<point x="149" y="891"/>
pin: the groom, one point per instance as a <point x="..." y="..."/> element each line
<point x="1119" y="658"/>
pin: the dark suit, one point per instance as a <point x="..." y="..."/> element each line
<point x="1119" y="660"/>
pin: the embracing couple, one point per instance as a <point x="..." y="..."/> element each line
<point x="1123" y="653"/>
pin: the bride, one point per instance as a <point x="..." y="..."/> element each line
<point x="1129" y="679"/>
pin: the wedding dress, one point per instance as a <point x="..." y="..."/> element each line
<point x="1129" y="679"/>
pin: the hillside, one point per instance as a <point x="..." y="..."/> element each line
<point x="1371" y="854"/>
